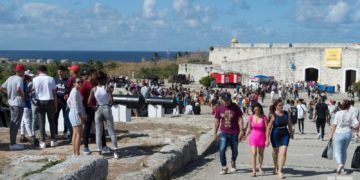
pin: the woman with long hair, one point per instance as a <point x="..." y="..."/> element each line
<point x="257" y="130"/>
<point x="341" y="132"/>
<point x="279" y="130"/>
<point x="104" y="101"/>
<point x="77" y="115"/>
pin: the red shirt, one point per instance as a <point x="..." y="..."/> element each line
<point x="229" y="118"/>
<point x="69" y="84"/>
<point x="85" y="92"/>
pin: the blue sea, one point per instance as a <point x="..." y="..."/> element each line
<point x="128" y="56"/>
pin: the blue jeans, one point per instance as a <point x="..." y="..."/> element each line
<point x="224" y="140"/>
<point x="341" y="142"/>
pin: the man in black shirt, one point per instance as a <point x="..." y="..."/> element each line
<point x="60" y="92"/>
<point x="321" y="112"/>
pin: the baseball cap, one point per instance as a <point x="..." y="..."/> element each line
<point x="74" y="68"/>
<point x="19" y="67"/>
<point x="28" y="73"/>
<point x="226" y="97"/>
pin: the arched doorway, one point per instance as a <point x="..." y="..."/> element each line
<point x="311" y="74"/>
<point x="350" y="78"/>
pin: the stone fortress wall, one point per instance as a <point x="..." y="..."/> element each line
<point x="284" y="61"/>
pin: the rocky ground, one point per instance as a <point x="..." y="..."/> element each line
<point x="138" y="140"/>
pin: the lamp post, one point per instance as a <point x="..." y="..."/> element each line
<point x="208" y="70"/>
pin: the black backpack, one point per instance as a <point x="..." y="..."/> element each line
<point x="355" y="163"/>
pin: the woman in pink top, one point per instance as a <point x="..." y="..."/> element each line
<point x="257" y="130"/>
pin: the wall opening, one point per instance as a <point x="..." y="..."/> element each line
<point x="350" y="78"/>
<point x="311" y="74"/>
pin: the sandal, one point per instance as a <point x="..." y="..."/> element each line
<point x="253" y="174"/>
<point x="261" y="172"/>
<point x="280" y="176"/>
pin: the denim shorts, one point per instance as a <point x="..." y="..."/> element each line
<point x="74" y="118"/>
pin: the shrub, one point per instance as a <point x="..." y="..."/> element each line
<point x="206" y="81"/>
<point x="356" y="86"/>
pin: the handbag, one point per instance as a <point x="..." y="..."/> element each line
<point x="328" y="151"/>
<point x="355" y="163"/>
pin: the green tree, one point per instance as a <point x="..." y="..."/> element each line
<point x="206" y="81"/>
<point x="155" y="57"/>
<point x="99" y="65"/>
<point x="356" y="86"/>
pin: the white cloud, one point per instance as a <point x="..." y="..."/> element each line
<point x="191" y="22"/>
<point x="97" y="8"/>
<point x="180" y="5"/>
<point x="337" y="12"/>
<point x="148" y="8"/>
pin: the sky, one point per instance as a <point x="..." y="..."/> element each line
<point x="173" y="25"/>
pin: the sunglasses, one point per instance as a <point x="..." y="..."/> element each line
<point x="79" y="82"/>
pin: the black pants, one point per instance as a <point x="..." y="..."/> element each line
<point x="88" y="125"/>
<point x="320" y="123"/>
<point x="60" y="106"/>
<point x="46" y="108"/>
<point x="301" y="125"/>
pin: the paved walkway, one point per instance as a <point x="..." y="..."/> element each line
<point x="304" y="160"/>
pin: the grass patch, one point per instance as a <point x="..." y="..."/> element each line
<point x="43" y="168"/>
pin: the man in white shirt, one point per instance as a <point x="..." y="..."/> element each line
<point x="14" y="87"/>
<point x="45" y="95"/>
<point x="189" y="109"/>
<point x="301" y="109"/>
<point x="286" y="106"/>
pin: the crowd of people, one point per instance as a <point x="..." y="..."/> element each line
<point x="278" y="127"/>
<point x="85" y="100"/>
<point x="83" y="97"/>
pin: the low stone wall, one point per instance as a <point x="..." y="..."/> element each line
<point x="170" y="159"/>
<point x="206" y="143"/>
<point x="80" y="168"/>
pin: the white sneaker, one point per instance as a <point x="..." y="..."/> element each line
<point x="42" y="145"/>
<point x="232" y="167"/>
<point x="87" y="151"/>
<point x="54" y="143"/>
<point x="16" y="147"/>
<point x="116" y="155"/>
<point x="223" y="171"/>
<point x="318" y="136"/>
<point x="105" y="150"/>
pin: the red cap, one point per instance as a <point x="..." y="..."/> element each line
<point x="74" y="68"/>
<point x="20" y="67"/>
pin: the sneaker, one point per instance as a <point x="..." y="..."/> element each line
<point x="318" y="136"/>
<point x="340" y="169"/>
<point x="116" y="155"/>
<point x="54" y="143"/>
<point x="22" y="138"/>
<point x="16" y="147"/>
<point x="302" y="132"/>
<point x="33" y="141"/>
<point x="87" y="151"/>
<point x="232" y="167"/>
<point x="105" y="150"/>
<point x="42" y="144"/>
<point x="223" y="171"/>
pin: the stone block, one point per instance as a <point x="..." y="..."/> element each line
<point x="80" y="168"/>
